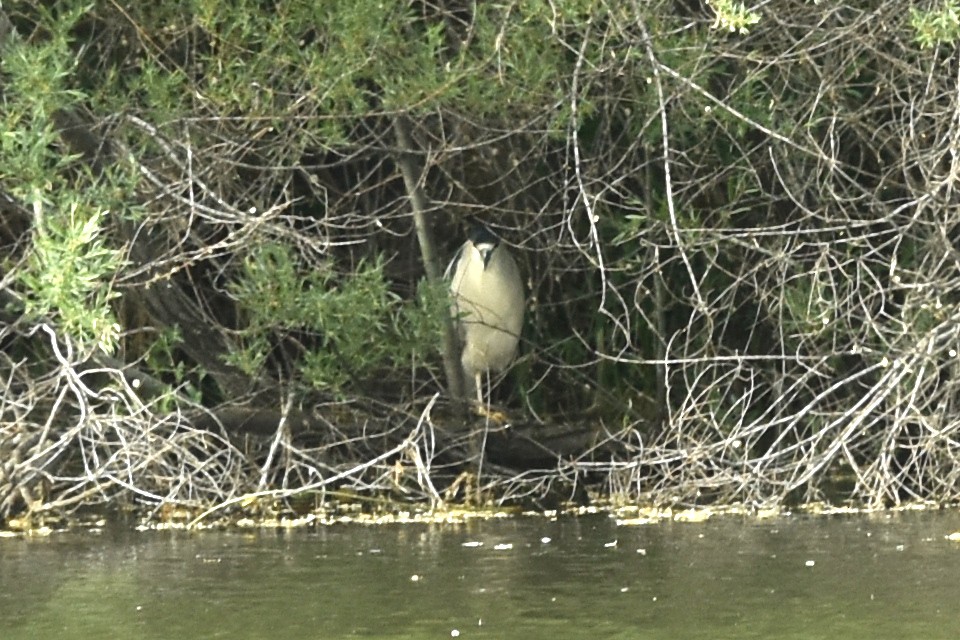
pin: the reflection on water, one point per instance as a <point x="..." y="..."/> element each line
<point x="877" y="576"/>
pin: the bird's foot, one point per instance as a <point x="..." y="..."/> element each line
<point x="463" y="486"/>
<point x="493" y="415"/>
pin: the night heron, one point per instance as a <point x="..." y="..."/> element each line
<point x="488" y="303"/>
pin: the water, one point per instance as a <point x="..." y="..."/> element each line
<point x="849" y="577"/>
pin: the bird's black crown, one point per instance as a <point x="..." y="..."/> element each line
<point x="481" y="234"/>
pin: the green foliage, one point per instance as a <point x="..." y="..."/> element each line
<point x="67" y="276"/>
<point x="733" y="16"/>
<point x="330" y="63"/>
<point x="34" y="79"/>
<point x="807" y="306"/>
<point x="936" y="26"/>
<point x="349" y="57"/>
<point x="162" y="358"/>
<point x="421" y="321"/>
<point x="38" y="71"/>
<point x="359" y="324"/>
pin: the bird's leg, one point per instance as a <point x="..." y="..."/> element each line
<point x="483" y="407"/>
<point x="481" y="446"/>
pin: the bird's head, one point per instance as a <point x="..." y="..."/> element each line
<point x="484" y="241"/>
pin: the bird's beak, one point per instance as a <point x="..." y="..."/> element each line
<point x="486" y="252"/>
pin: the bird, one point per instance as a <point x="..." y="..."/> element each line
<point x="488" y="306"/>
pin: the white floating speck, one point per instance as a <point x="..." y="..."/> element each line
<point x="414" y="578"/>
<point x="503" y="547"/>
<point x="545" y="540"/>
<point x="642" y="552"/>
<point x="608" y="545"/>
<point x="472" y="544"/>
<point x="455" y="633"/>
<point x="809" y="563"/>
<point x="624" y="589"/>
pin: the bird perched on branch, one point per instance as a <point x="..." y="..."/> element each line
<point x="488" y="303"/>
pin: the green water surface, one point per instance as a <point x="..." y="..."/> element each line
<point x="832" y="577"/>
